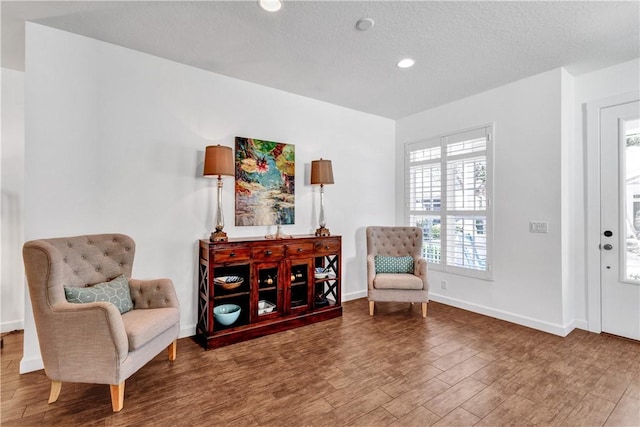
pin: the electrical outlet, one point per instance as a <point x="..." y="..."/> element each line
<point x="538" y="227"/>
<point x="443" y="284"/>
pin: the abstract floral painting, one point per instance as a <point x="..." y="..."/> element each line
<point x="265" y="178"/>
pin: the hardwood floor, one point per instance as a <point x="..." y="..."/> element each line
<point x="454" y="368"/>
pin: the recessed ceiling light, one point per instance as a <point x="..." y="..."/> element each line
<point x="406" y="63"/>
<point x="270" y="5"/>
<point x="364" y="24"/>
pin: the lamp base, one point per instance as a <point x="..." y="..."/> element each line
<point x="219" y="236"/>
<point x="323" y="232"/>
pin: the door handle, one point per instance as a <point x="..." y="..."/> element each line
<point x="607" y="247"/>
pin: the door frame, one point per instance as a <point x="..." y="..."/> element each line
<point x="592" y="203"/>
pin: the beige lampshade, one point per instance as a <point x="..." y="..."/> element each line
<point x="321" y="172"/>
<point x="218" y="160"/>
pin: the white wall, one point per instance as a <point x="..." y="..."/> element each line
<point x="115" y="140"/>
<point x="527" y="286"/>
<point x="12" y="182"/>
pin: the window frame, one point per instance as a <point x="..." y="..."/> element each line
<point x="443" y="141"/>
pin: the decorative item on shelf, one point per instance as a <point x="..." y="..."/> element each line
<point x="279" y="234"/>
<point x="227" y="314"/>
<point x="321" y="173"/>
<point x="218" y="160"/>
<point x="228" y="282"/>
<point x="265" y="307"/>
<point x="321" y="273"/>
<point x="269" y="280"/>
<point x="293" y="277"/>
<point x="321" y="300"/>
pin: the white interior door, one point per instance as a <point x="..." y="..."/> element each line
<point x="620" y="219"/>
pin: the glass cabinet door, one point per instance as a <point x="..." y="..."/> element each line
<point x="269" y="291"/>
<point x="299" y="285"/>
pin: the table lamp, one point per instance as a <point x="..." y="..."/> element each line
<point x="321" y="173"/>
<point x="218" y="160"/>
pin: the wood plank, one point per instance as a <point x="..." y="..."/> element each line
<point x="626" y="413"/>
<point x="592" y="410"/>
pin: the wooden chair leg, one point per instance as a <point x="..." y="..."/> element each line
<point x="424" y="309"/>
<point x="117" y="396"/>
<point x="56" y="386"/>
<point x="172" y="350"/>
<point x="371" y="307"/>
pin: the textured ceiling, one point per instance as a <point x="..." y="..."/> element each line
<point x="312" y="48"/>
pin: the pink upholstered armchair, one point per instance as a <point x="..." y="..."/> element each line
<point x="404" y="277"/>
<point x="93" y="342"/>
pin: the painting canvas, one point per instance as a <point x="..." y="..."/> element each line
<point x="265" y="177"/>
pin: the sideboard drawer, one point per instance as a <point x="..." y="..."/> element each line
<point x="267" y="252"/>
<point x="300" y="249"/>
<point x="327" y="246"/>
<point x="231" y="255"/>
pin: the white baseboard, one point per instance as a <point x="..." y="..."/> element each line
<point x="31" y="364"/>
<point x="354" y="295"/>
<point x="14" y="325"/>
<point x="578" y="324"/>
<point x="541" y="325"/>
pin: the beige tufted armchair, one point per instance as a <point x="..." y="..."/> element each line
<point x="93" y="342"/>
<point x="401" y="287"/>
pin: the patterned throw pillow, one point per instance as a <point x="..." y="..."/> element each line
<point x="393" y="264"/>
<point x="115" y="291"/>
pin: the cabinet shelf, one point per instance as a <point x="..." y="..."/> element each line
<point x="227" y="296"/>
<point x="287" y="265"/>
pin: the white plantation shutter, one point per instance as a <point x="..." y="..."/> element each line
<point x="465" y="187"/>
<point x="426" y="187"/>
<point x="448" y="193"/>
